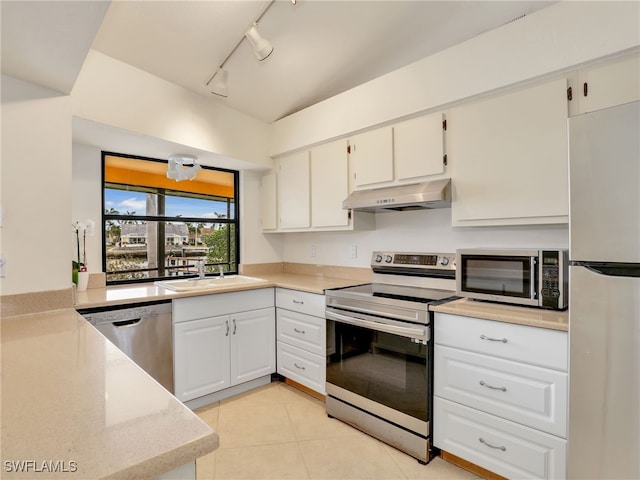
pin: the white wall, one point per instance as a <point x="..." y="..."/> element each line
<point x="35" y="193"/>
<point x="255" y="247"/>
<point x="414" y="231"/>
<point x="86" y="197"/>
<point x="114" y="93"/>
<point x="557" y="38"/>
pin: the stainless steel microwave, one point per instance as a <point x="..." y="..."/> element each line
<point x="535" y="278"/>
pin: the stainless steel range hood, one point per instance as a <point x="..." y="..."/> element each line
<point x="415" y="196"/>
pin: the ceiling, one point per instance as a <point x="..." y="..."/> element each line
<point x="321" y="47"/>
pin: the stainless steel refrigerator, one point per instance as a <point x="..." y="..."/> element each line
<point x="604" y="295"/>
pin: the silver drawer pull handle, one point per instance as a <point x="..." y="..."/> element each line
<point x="299" y="302"/>
<point x="504" y="389"/>
<point x="484" y="337"/>
<point x="482" y="440"/>
<point x="298" y="331"/>
<point x="299" y="367"/>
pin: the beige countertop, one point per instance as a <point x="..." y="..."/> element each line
<point x="143" y="292"/>
<point x="70" y="396"/>
<point x="535" y="317"/>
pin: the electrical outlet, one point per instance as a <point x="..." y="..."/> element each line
<point x="313" y="251"/>
<point x="353" y="251"/>
<point x="2" y="266"/>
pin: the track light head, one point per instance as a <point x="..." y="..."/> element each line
<point x="220" y="85"/>
<point x="261" y="47"/>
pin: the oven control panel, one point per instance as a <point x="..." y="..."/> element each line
<point x="445" y="261"/>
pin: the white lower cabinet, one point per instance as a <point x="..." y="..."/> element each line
<point x="503" y="447"/>
<point x="201" y="357"/>
<point x="303" y="367"/>
<point x="301" y="338"/>
<point x="501" y="395"/>
<point x="222" y="340"/>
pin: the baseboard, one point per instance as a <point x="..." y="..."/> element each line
<point x="305" y="389"/>
<point x="471" y="467"/>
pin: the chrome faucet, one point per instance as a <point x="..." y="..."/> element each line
<point x="221" y="271"/>
<point x="201" y="264"/>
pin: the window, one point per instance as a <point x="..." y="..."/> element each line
<point x="156" y="228"/>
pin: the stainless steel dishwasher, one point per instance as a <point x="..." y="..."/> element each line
<point x="143" y="331"/>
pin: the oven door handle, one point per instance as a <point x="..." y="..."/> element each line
<point x="410" y="332"/>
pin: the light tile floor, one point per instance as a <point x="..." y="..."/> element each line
<point x="279" y="432"/>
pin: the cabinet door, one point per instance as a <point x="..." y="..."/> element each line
<point x="269" y="202"/>
<point x="329" y="184"/>
<point x="253" y="345"/>
<point x="293" y="191"/>
<point x="201" y="357"/>
<point x="372" y="157"/>
<point x="609" y="84"/>
<point x="418" y="146"/>
<point x="509" y="158"/>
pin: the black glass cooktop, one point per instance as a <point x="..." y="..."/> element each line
<point x="396" y="292"/>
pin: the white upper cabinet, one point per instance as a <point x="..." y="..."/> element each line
<point x="269" y="196"/>
<point x="407" y="152"/>
<point x="293" y="191"/>
<point x="606" y="85"/>
<point x="509" y="158"/>
<point x="418" y="148"/>
<point x="329" y="184"/>
<point x="306" y="190"/>
<point x="372" y="156"/>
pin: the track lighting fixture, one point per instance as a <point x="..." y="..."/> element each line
<point x="219" y="86"/>
<point x="261" y="49"/>
<point x="178" y="170"/>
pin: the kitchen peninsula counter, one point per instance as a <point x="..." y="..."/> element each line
<point x="534" y="317"/>
<point x="73" y="405"/>
<point x="146" y="292"/>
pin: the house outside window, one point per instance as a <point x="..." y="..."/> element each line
<point x="157" y="228"/>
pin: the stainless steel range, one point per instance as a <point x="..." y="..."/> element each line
<point x="380" y="351"/>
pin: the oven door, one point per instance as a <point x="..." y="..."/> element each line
<point x="381" y="366"/>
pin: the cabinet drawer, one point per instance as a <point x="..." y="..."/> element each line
<point x="303" y="367"/>
<point x="533" y="396"/>
<point x="501" y="446"/>
<point x="300" y="330"/>
<point x="303" y="302"/>
<point x="521" y="343"/>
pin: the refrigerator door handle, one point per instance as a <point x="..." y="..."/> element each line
<point x="611" y="269"/>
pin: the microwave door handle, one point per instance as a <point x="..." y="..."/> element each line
<point x="381" y="327"/>
<point x="532" y="294"/>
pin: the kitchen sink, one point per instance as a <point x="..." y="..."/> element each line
<point x="208" y="283"/>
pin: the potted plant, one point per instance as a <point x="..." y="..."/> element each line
<point x="79" y="266"/>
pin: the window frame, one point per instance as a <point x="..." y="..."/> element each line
<point x="235" y="221"/>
